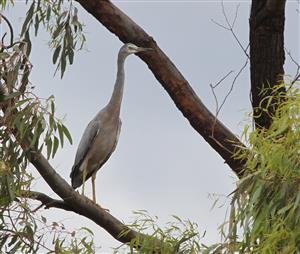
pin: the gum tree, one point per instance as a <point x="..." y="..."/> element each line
<point x="31" y="133"/>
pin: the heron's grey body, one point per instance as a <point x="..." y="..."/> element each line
<point x="94" y="148"/>
<point x="100" y="137"/>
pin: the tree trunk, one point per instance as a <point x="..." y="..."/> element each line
<point x="266" y="57"/>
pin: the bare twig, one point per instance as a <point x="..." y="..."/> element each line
<point x="3" y="38"/>
<point x="232" y="84"/>
<point x="230" y="27"/>
<point x="215" y="95"/>
<point x="221" y="80"/>
<point x="231" y="228"/>
<point x="297" y="75"/>
<point x="10" y="30"/>
<point x="218" y="108"/>
<point x="16" y="231"/>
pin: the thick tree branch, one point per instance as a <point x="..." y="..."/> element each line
<point x="186" y="100"/>
<point x="266" y="56"/>
<point x="71" y="199"/>
<point x="79" y="204"/>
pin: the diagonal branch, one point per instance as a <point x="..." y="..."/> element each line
<point x="77" y="203"/>
<point x="202" y="120"/>
<point x="72" y="200"/>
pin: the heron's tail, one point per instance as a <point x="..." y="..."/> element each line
<point x="76" y="177"/>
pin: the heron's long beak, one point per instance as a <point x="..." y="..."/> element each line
<point x="141" y="49"/>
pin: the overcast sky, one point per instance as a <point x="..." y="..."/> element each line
<point x="161" y="164"/>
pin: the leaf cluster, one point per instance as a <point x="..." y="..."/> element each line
<point x="266" y="205"/>
<point x="60" y="19"/>
<point x="178" y="236"/>
<point x="23" y="117"/>
<point x="25" y="232"/>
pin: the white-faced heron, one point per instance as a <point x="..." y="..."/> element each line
<point x="100" y="137"/>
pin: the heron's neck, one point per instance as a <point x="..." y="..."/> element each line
<point x="116" y="98"/>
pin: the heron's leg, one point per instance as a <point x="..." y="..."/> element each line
<point x="83" y="180"/>
<point x="93" y="186"/>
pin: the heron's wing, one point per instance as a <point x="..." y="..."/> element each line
<point x="86" y="142"/>
<point x="115" y="144"/>
<point x="118" y="134"/>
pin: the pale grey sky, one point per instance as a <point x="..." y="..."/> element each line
<point x="161" y="164"/>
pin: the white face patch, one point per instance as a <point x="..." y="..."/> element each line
<point x="132" y="48"/>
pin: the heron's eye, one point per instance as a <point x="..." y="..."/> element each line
<point x="131" y="48"/>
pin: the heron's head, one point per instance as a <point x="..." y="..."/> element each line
<point x="130" y="48"/>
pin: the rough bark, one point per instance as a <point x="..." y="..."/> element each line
<point x="266" y="56"/>
<point x="202" y="120"/>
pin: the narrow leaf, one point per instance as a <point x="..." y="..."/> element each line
<point x="55" y="146"/>
<point x="67" y="134"/>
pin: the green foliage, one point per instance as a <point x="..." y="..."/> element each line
<point x="265" y="214"/>
<point x="27" y="122"/>
<point x="60" y="19"/>
<point x="28" y="117"/>
<point x="23" y="231"/>
<point x="178" y="236"/>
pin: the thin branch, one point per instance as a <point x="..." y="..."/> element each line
<point x="213" y="87"/>
<point x="232" y="84"/>
<point x="3" y="38"/>
<point x="220" y="25"/>
<point x="16" y="231"/>
<point x="235" y="15"/>
<point x="46" y="201"/>
<point x="73" y="201"/>
<point x="218" y="108"/>
<point x="10" y="29"/>
<point x="221" y="80"/>
<point x="230" y="27"/>
<point x="297" y="75"/>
